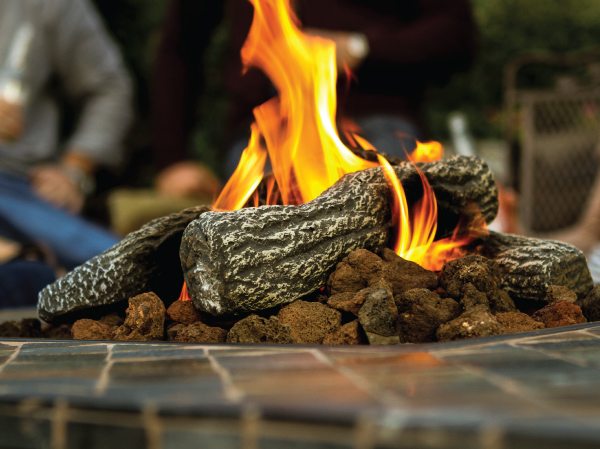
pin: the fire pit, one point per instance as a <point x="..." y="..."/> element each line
<point x="521" y="390"/>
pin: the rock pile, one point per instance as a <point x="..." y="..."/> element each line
<point x="369" y="299"/>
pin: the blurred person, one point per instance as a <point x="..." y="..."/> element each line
<point x="394" y="48"/>
<point x="66" y="57"/>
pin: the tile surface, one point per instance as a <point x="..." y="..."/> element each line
<point x="518" y="390"/>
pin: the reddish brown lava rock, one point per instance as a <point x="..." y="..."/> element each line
<point x="590" y="305"/>
<point x="255" y="329"/>
<point x="347" y="302"/>
<point x="60" y="332"/>
<point x="309" y="322"/>
<point x="404" y="275"/>
<point x="477" y="322"/>
<point x="26" y="328"/>
<point x="501" y="302"/>
<point x="423" y="312"/>
<point x="471" y="297"/>
<point x="197" y="332"/>
<point x="485" y="275"/>
<point x="560" y="313"/>
<point x="86" y="329"/>
<point x="556" y="293"/>
<point x="518" y="322"/>
<point x="145" y="319"/>
<point x="362" y="268"/>
<point x="358" y="270"/>
<point x="10" y="329"/>
<point x="348" y="334"/>
<point x="112" y="320"/>
<point x="184" y="312"/>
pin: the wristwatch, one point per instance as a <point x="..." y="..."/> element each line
<point x="357" y="45"/>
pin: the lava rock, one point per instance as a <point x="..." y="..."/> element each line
<point x="477" y="322"/>
<point x="60" y="332"/>
<point x="404" y="275"/>
<point x="145" y="319"/>
<point x="255" y="329"/>
<point x="484" y="274"/>
<point x="381" y="340"/>
<point x="424" y="312"/>
<point x="471" y="297"/>
<point x="10" y="329"/>
<point x="556" y="293"/>
<point x="184" y="312"/>
<point x="560" y="313"/>
<point x="348" y="334"/>
<point x="358" y="270"/>
<point x="363" y="268"/>
<point x="112" y="320"/>
<point x="590" y="305"/>
<point x="86" y="329"/>
<point x="346" y="302"/>
<point x="196" y="332"/>
<point x="501" y="302"/>
<point x="513" y="322"/>
<point x="26" y="328"/>
<point x="379" y="314"/>
<point x="309" y="322"/>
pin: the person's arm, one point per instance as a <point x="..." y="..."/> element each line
<point x="441" y="31"/>
<point x="90" y="69"/>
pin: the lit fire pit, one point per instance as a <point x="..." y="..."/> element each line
<point x="326" y="249"/>
<point x="324" y="201"/>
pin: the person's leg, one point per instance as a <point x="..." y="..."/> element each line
<point x="25" y="217"/>
<point x="21" y="281"/>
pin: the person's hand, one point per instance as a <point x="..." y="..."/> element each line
<point x="53" y="184"/>
<point x="351" y="48"/>
<point x="188" y="179"/>
<point x="11" y="121"/>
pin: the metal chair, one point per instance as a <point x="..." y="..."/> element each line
<point x="554" y="135"/>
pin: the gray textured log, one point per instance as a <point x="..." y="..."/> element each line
<point x="532" y="265"/>
<point x="145" y="260"/>
<point x="257" y="258"/>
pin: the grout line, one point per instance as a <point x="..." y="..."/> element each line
<point x="59" y="424"/>
<point x="250" y="428"/>
<point x="152" y="427"/>
<point x="551" y="354"/>
<point x="383" y="397"/>
<point x="231" y="392"/>
<point x="13" y="356"/>
<point x="104" y="378"/>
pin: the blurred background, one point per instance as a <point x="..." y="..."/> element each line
<point x="508" y="29"/>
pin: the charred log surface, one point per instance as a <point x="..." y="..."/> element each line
<point x="257" y="258"/>
<point x="532" y="265"/>
<point x="145" y="260"/>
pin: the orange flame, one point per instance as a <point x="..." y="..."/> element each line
<point x="427" y="152"/>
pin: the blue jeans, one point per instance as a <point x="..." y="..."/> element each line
<point x="21" y="281"/>
<point x="26" y="218"/>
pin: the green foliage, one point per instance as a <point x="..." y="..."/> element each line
<point x="509" y="28"/>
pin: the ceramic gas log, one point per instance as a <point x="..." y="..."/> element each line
<point x="256" y="258"/>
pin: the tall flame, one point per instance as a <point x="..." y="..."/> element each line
<point x="298" y="127"/>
